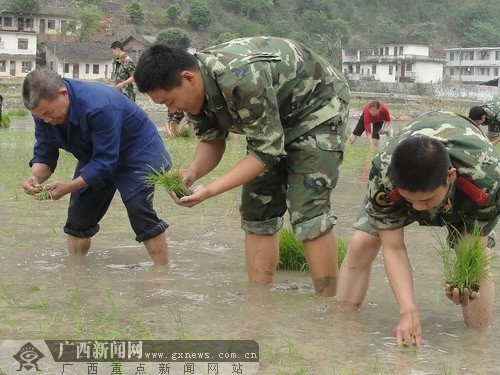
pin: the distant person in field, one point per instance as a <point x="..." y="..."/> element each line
<point x="489" y="115"/>
<point x="375" y="118"/>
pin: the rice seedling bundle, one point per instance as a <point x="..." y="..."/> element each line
<point x="467" y="264"/>
<point x="169" y="180"/>
<point x="292" y="252"/>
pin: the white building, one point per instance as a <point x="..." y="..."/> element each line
<point x="17" y="53"/>
<point x="472" y="65"/>
<point x="48" y="21"/>
<point x="90" y="61"/>
<point x="393" y="63"/>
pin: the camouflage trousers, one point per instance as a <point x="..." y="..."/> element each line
<point x="301" y="182"/>
<point x="129" y="92"/>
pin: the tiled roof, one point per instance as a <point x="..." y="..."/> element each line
<point x="75" y="51"/>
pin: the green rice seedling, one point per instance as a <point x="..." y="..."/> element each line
<point x="5" y="121"/>
<point x="44" y="195"/>
<point x="4" y="296"/>
<point x="19" y="112"/>
<point x="170" y="180"/>
<point x="342" y="250"/>
<point x="292" y="251"/>
<point x="184" y="132"/>
<point x="467" y="264"/>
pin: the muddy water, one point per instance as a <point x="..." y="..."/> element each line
<point x="115" y="292"/>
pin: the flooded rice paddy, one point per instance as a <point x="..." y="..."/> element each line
<point x="116" y="293"/>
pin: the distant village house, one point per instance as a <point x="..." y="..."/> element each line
<point x="393" y="63"/>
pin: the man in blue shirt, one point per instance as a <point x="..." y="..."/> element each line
<point x="116" y="146"/>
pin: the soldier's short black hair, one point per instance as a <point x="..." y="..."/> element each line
<point x="419" y="163"/>
<point x="476" y="112"/>
<point x="159" y="66"/>
<point x="117" y="44"/>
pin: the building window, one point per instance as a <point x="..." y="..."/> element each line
<point x="87" y="68"/>
<point x="484" y="55"/>
<point x="409" y="67"/>
<point x="391" y="70"/>
<point x="2" y="46"/>
<point x="358" y="68"/>
<point x="7" y="21"/>
<point x="452" y="71"/>
<point x="395" y="51"/>
<point x="495" y="72"/>
<point x="400" y="50"/>
<point x="51" y="24"/>
<point x="374" y="69"/>
<point x="64" y="26"/>
<point x="22" y="43"/>
<point x="26" y="66"/>
<point x="386" y="50"/>
<point x="468" y="55"/>
<point x="66" y="68"/>
<point x="3" y="64"/>
<point x="95" y="68"/>
<point x="29" y="23"/>
<point x="381" y="51"/>
<point x="452" y="56"/>
<point x="484" y="71"/>
<point x="497" y="55"/>
<point x="350" y="69"/>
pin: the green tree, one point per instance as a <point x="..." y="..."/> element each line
<point x="253" y="9"/>
<point x="200" y="15"/>
<point x="384" y="31"/>
<point x="173" y="14"/>
<point x="224" y="36"/>
<point x="135" y="12"/>
<point x="25" y="6"/>
<point x="174" y="37"/>
<point x="85" y="22"/>
<point x="421" y="32"/>
<point x="481" y="34"/>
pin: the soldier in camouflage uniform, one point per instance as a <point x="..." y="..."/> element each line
<point x="174" y="123"/>
<point x="292" y="107"/>
<point x="123" y="70"/>
<point x="488" y="114"/>
<point x="439" y="170"/>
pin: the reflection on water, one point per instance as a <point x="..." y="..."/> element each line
<point x="203" y="294"/>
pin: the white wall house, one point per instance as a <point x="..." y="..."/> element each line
<point x="472" y="65"/>
<point x="48" y="21"/>
<point x="393" y="63"/>
<point x="17" y="53"/>
<point x="91" y="61"/>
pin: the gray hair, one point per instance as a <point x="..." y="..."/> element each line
<point x="41" y="83"/>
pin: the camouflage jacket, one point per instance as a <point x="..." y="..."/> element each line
<point x="124" y="69"/>
<point x="471" y="154"/>
<point x="271" y="90"/>
<point x="492" y="108"/>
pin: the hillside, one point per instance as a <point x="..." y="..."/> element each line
<point x="323" y="24"/>
<point x="327" y="26"/>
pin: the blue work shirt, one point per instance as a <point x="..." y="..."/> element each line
<point x="112" y="138"/>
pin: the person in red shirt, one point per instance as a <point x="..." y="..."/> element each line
<point x="374" y="113"/>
